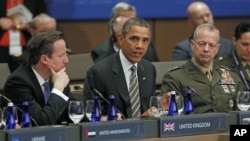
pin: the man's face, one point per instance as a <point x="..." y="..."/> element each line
<point x="205" y="46"/>
<point x="135" y="43"/>
<point x="59" y="56"/>
<point x="201" y="15"/>
<point x="242" y="46"/>
<point x="49" y="25"/>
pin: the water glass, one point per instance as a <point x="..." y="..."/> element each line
<point x="5" y="115"/>
<point x="76" y="111"/>
<point x="89" y="108"/>
<point x="155" y="106"/>
<point x="243" y="100"/>
<point x="180" y="103"/>
<point x="1" y="119"/>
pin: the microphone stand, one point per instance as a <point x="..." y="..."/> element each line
<point x="104" y="99"/>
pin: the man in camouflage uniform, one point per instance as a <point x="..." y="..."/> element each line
<point x="214" y="87"/>
<point x="239" y="60"/>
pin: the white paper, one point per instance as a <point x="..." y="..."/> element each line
<point x="15" y="46"/>
<point x="20" y="12"/>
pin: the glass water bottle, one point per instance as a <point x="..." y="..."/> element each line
<point x="112" y="114"/>
<point x="188" y="107"/>
<point x="173" y="110"/>
<point x="96" y="113"/>
<point x="26" y="120"/>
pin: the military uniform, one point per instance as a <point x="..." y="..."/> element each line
<point x="234" y="64"/>
<point x="217" y="95"/>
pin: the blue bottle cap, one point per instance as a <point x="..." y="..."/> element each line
<point x="111" y="96"/>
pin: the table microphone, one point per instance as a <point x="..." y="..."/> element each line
<point x="103" y="98"/>
<point x="205" y="101"/>
<point x="19" y="109"/>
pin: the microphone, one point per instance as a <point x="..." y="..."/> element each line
<point x="103" y="98"/>
<point x="19" y="109"/>
<point x="205" y="101"/>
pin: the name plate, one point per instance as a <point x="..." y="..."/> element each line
<point x="113" y="130"/>
<point x="46" y="133"/>
<point x="192" y="124"/>
<point x="244" y="117"/>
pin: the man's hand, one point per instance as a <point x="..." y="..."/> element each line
<point x="165" y="98"/>
<point x="6" y="23"/>
<point x="60" y="79"/>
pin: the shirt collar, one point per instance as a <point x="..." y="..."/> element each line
<point x="203" y="69"/>
<point x="125" y="63"/>
<point x="38" y="76"/>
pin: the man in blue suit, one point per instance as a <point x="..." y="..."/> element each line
<point x="199" y="13"/>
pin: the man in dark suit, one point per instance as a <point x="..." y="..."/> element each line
<point x="111" y="75"/>
<point x="198" y="13"/>
<point x="47" y="59"/>
<point x="108" y="47"/>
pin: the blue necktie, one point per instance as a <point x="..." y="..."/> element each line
<point x="46" y="91"/>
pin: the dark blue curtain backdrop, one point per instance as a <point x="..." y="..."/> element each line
<point x="101" y="9"/>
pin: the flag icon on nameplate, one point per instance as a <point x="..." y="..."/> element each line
<point x="169" y="127"/>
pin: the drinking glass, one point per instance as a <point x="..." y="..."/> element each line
<point x="76" y="111"/>
<point x="243" y="100"/>
<point x="155" y="106"/>
<point x="180" y="103"/>
<point x="1" y="119"/>
<point x="5" y="111"/>
<point x="89" y="108"/>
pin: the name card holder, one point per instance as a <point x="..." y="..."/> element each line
<point x="243" y="117"/>
<point x="113" y="130"/>
<point x="41" y="133"/>
<point x="2" y="136"/>
<point x="193" y="124"/>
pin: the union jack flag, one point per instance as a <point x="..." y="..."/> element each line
<point x="169" y="127"/>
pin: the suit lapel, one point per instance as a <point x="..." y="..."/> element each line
<point x="38" y="94"/>
<point x="120" y="81"/>
<point x="141" y="78"/>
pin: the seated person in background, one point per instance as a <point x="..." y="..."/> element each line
<point x="13" y="31"/>
<point x="215" y="87"/>
<point x="112" y="74"/>
<point x="239" y="60"/>
<point x="127" y="10"/>
<point x="43" y="22"/>
<point x="40" y="22"/>
<point x="117" y="25"/>
<point x="47" y="59"/>
<point x="198" y="13"/>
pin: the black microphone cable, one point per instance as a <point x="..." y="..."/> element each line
<point x="103" y="98"/>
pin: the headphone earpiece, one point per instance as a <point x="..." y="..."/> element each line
<point x="113" y="38"/>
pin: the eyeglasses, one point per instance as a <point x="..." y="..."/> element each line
<point x="203" y="44"/>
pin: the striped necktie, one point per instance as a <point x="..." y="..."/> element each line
<point x="46" y="91"/>
<point x="134" y="93"/>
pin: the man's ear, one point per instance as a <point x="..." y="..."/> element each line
<point x="44" y="59"/>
